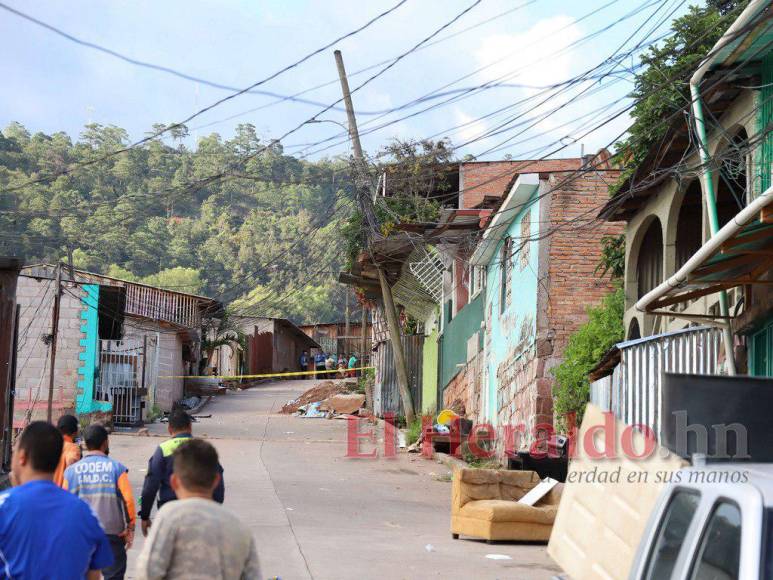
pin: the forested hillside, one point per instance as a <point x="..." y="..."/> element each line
<point x="265" y="235"/>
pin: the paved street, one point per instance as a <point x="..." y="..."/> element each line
<point x="317" y="514"/>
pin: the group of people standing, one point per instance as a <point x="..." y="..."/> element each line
<point x="72" y="515"/>
<point x="327" y="365"/>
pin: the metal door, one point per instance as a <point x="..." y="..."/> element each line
<point x="121" y="379"/>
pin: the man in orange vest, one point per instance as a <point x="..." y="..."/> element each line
<point x="71" y="451"/>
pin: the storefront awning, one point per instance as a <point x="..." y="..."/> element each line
<point x="740" y="254"/>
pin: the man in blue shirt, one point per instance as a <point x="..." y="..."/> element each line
<point x="46" y="532"/>
<point x="304" y="360"/>
<point x="319" y="365"/>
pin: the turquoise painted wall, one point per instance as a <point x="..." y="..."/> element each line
<point x="453" y="341"/>
<point x="85" y="403"/>
<point x="517" y="325"/>
<point x="429" y="374"/>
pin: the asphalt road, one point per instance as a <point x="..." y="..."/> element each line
<point x="316" y="513"/>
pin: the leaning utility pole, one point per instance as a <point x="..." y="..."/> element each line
<point x="347" y="324"/>
<point x="386" y="292"/>
<point x="54" y="332"/>
<point x="363" y="332"/>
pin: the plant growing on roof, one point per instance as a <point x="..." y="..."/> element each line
<point x="662" y="88"/>
<point x="416" y="176"/>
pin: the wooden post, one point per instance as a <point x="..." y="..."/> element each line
<point x="348" y="325"/>
<point x="397" y="348"/>
<point x="54" y="333"/>
<point x="364" y="334"/>
<point x="386" y="291"/>
<point x="9" y="324"/>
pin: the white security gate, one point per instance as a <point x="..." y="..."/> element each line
<point x="121" y="378"/>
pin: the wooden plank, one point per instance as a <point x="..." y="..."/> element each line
<point x="724" y="265"/>
<point x="741" y="251"/>
<point x="692" y="294"/>
<point x="739" y="240"/>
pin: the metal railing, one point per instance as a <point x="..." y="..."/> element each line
<point x="633" y="392"/>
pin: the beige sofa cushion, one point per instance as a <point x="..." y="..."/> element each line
<point x="513" y="485"/>
<point x="479" y="484"/>
<point x="502" y="510"/>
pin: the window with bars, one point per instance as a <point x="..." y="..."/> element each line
<point x="505" y="269"/>
<point x="525" y="247"/>
<point x="476" y="276"/>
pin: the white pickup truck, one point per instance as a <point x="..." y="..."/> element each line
<point x="713" y="522"/>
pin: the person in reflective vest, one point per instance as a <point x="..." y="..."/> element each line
<point x="161" y="465"/>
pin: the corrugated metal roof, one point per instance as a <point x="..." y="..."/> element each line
<point x="751" y="45"/>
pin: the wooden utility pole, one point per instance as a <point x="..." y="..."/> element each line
<point x="9" y="325"/>
<point x="54" y="333"/>
<point x="386" y="292"/>
<point x="363" y="333"/>
<point x="347" y="324"/>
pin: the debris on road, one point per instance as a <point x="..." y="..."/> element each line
<point x="344" y="403"/>
<point x="316" y="394"/>
<point x="327" y="399"/>
<point x="311" y="411"/>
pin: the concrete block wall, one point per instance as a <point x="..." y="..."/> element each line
<point x="36" y="300"/>
<point x="170" y="364"/>
<point x="463" y="392"/>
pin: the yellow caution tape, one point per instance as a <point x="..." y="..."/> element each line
<point x="264" y="376"/>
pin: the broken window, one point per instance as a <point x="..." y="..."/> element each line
<point x="112" y="303"/>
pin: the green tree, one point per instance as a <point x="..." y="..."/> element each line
<point x="662" y="88"/>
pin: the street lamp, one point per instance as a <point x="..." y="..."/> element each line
<point x="344" y="127"/>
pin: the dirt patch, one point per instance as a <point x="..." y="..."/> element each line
<point x="318" y="393"/>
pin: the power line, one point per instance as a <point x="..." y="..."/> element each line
<point x="222" y="100"/>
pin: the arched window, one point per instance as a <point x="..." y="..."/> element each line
<point x="689" y="224"/>
<point x="649" y="266"/>
<point x="633" y="330"/>
<point x="732" y="187"/>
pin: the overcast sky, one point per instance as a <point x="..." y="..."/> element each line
<point x="51" y="84"/>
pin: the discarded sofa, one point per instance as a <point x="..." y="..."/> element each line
<point x="484" y="504"/>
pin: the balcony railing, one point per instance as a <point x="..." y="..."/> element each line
<point x="156" y="304"/>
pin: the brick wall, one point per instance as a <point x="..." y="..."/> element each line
<point x="569" y="284"/>
<point x="574" y="251"/>
<point x="482" y="178"/>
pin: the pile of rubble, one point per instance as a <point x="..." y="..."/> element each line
<point x="327" y="399"/>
